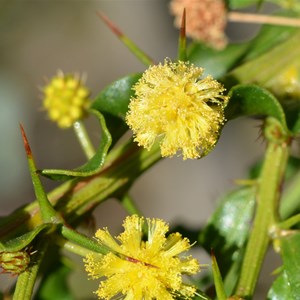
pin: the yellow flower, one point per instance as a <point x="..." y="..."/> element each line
<point x="65" y="99"/>
<point x="174" y="105"/>
<point x="139" y="269"/>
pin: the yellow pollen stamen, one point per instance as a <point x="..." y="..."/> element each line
<point x="176" y="107"/>
<point x="150" y="269"/>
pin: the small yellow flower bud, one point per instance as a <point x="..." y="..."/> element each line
<point x="66" y="100"/>
<point x="177" y="107"/>
<point x="14" y="262"/>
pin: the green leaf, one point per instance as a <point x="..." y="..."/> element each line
<point x="269" y="37"/>
<point x="216" y="63"/>
<point x="280" y="288"/>
<point x="54" y="285"/>
<point x="227" y="230"/>
<point x="290" y="254"/>
<point x="24" y="240"/>
<point x="94" y="165"/>
<point x="113" y="103"/>
<point x="266" y="67"/>
<point x="252" y="100"/>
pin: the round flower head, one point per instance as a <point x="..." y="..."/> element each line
<point x="14" y="262"/>
<point x="174" y="105"/>
<point x="65" y="99"/>
<point x="139" y="269"/>
<point x="205" y="20"/>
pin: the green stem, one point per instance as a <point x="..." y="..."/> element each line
<point x="84" y="139"/>
<point x="290" y="222"/>
<point x="77" y="197"/>
<point x="129" y="205"/>
<point x="83" y="240"/>
<point x="26" y="280"/>
<point x="266" y="216"/>
<point x="72" y="247"/>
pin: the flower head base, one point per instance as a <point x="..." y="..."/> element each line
<point x="14" y="262"/>
<point x="138" y="269"/>
<point x="66" y="100"/>
<point x="173" y="104"/>
<point x="206" y="20"/>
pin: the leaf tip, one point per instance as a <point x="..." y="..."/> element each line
<point x="183" y="25"/>
<point x="110" y="24"/>
<point x="25" y="141"/>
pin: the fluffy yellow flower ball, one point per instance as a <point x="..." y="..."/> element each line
<point x="177" y="107"/>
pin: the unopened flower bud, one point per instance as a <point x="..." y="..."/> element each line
<point x="14" y="262"/>
<point x="66" y="100"/>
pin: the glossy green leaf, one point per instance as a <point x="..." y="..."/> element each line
<point x="113" y="103"/>
<point x="115" y="98"/>
<point x="24" y="240"/>
<point x="216" y="63"/>
<point x="280" y="288"/>
<point x="94" y="165"/>
<point x="290" y="254"/>
<point x="227" y="230"/>
<point x="55" y="284"/>
<point x="252" y="100"/>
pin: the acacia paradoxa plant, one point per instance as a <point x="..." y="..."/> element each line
<point x="172" y="108"/>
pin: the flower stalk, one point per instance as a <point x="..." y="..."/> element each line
<point x="267" y="198"/>
<point x="26" y="280"/>
<point x="84" y="139"/>
<point x="235" y="16"/>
